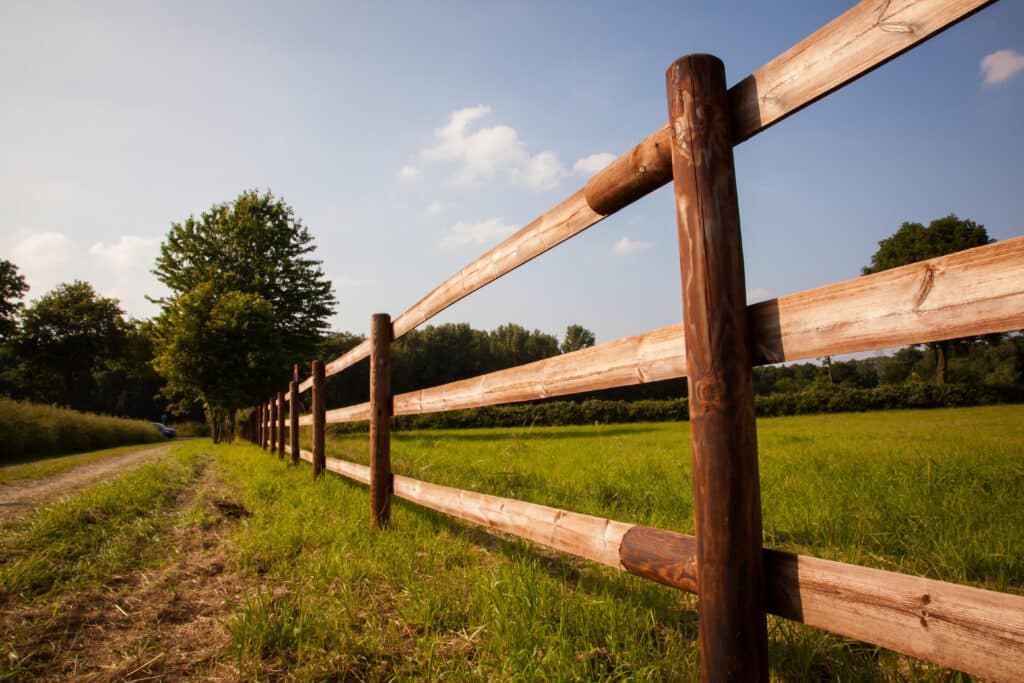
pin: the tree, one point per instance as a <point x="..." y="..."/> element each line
<point x="67" y="335"/>
<point x="248" y="260"/>
<point x="12" y="289"/>
<point x="914" y="242"/>
<point x="577" y="337"/>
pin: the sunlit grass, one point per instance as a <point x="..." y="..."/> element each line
<point x="51" y="466"/>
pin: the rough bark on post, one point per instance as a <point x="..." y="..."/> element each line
<point x="727" y="499"/>
<point x="319" y="419"/>
<point x="280" y="425"/>
<point x="380" y="420"/>
<point x="293" y="422"/>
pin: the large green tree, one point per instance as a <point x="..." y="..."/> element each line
<point x="914" y="242"/>
<point x="66" y="336"/>
<point x="577" y="337"/>
<point x="249" y="261"/>
<point x="12" y="290"/>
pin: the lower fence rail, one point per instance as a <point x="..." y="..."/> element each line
<point x="973" y="630"/>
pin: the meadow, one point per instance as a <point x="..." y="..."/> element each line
<point x="938" y="493"/>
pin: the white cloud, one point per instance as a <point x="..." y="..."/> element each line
<point x="628" y="245"/>
<point x="757" y="294"/>
<point x="589" y="165"/>
<point x="1001" y="65"/>
<point x="541" y="172"/>
<point x="408" y="172"/>
<point x="483" y="232"/>
<point x="128" y="251"/>
<point x="434" y="208"/>
<point x="482" y="151"/>
<point x="44" y="251"/>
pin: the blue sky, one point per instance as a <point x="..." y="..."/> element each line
<point x="411" y="137"/>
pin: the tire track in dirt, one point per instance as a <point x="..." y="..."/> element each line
<point x="20" y="497"/>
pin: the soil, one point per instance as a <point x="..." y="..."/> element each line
<point x="21" y="496"/>
<point x="157" y="624"/>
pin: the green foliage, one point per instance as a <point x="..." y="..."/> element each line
<point x="246" y="302"/>
<point x="577" y="337"/>
<point x="12" y="289"/>
<point x="914" y="242"/>
<point x="31" y="430"/>
<point x="66" y="336"/>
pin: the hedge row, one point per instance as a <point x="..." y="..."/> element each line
<point x="32" y="430"/>
<point x="816" y="400"/>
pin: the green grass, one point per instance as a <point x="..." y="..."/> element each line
<point x="51" y="466"/>
<point x="936" y="493"/>
<point x="107" y="529"/>
<point x="32" y="430"/>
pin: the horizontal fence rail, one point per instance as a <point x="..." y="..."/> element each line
<point x="969" y="629"/>
<point x="850" y="46"/>
<point x="974" y="292"/>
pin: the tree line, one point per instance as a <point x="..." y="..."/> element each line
<point x="248" y="303"/>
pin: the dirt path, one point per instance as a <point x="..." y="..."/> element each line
<point x="21" y="496"/>
<point x="163" y="623"/>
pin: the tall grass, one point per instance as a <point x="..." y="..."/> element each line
<point x="32" y="430"/>
<point x="938" y="493"/>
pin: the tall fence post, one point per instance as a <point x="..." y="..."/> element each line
<point x="258" y="435"/>
<point x="319" y="419"/>
<point x="280" y="425"/>
<point x="293" y="421"/>
<point x="380" y="420"/>
<point x="273" y="424"/>
<point x="267" y="413"/>
<point x="726" y="489"/>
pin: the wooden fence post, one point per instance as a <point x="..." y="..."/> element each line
<point x="273" y="425"/>
<point x="266" y="425"/>
<point x="280" y="425"/>
<point x="726" y="489"/>
<point x="381" y="480"/>
<point x="258" y="434"/>
<point x="319" y="417"/>
<point x="293" y="422"/>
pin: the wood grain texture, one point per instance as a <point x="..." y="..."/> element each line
<point x="293" y="420"/>
<point x="594" y="538"/>
<point x="317" y="416"/>
<point x="380" y="420"/>
<point x="973" y="630"/>
<point x="977" y="291"/>
<point x="636" y="173"/>
<point x="567" y="219"/>
<point x="726" y="485"/>
<point x="662" y="556"/>
<point x="642" y="358"/>
<point x="357" y="413"/>
<point x="272" y="444"/>
<point x="853" y="44"/>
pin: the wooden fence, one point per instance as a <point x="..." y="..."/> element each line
<point x="973" y="292"/>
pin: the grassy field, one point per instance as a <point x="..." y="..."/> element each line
<point x="937" y="493"/>
<point x="51" y="466"/>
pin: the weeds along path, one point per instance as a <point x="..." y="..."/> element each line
<point x="22" y="496"/>
<point x="159" y="621"/>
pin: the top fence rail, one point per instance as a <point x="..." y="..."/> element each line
<point x="850" y="46"/>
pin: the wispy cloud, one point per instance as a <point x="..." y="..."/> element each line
<point x="589" y="165"/>
<point x="483" y="232"/>
<point x="628" y="245"/>
<point x="1001" y="66"/>
<point x="434" y="208"/>
<point x="408" y="172"/>
<point x="127" y="252"/>
<point x="483" y="151"/>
